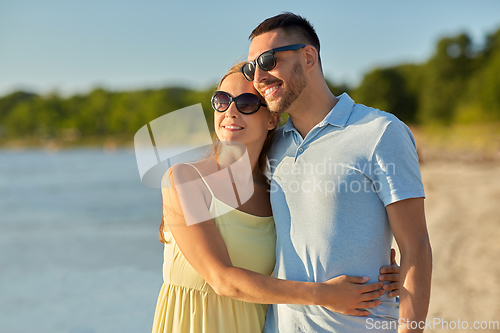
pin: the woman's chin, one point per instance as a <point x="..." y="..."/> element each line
<point x="232" y="141"/>
<point x="231" y="137"/>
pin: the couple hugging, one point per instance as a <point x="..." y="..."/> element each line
<point x="309" y="249"/>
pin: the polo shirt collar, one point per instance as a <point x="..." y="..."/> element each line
<point x="288" y="126"/>
<point x="338" y="116"/>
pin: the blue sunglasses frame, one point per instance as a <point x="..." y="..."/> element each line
<point x="248" y="69"/>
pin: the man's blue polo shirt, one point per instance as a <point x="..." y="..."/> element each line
<point x="328" y="194"/>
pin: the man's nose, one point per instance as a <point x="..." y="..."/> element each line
<point x="260" y="75"/>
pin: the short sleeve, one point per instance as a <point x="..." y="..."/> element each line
<point x="395" y="169"/>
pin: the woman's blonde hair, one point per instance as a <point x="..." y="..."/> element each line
<point x="262" y="162"/>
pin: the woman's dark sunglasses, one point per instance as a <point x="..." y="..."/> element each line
<point x="245" y="103"/>
<point x="266" y="60"/>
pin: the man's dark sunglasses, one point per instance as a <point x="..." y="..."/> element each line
<point x="266" y="60"/>
<point x="245" y="103"/>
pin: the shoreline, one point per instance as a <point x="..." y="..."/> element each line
<point x="54" y="146"/>
<point x="473" y="143"/>
<point x="426" y="153"/>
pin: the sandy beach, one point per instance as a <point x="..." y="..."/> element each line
<point x="463" y="216"/>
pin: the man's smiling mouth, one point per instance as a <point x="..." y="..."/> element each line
<point x="271" y="90"/>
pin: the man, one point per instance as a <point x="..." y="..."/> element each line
<point x="345" y="178"/>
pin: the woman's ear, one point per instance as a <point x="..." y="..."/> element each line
<point x="273" y="121"/>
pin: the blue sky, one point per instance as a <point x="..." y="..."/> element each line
<point x="74" y="45"/>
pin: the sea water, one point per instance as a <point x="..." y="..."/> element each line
<point x="79" y="250"/>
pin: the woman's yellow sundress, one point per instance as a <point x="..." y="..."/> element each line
<point x="187" y="304"/>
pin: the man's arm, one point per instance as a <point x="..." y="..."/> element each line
<point x="407" y="219"/>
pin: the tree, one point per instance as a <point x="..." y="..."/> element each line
<point x="389" y="89"/>
<point x="446" y="75"/>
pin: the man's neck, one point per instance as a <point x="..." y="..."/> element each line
<point x="312" y="109"/>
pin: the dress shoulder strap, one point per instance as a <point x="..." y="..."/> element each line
<point x="202" y="178"/>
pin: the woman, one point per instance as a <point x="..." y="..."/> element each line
<point x="218" y="260"/>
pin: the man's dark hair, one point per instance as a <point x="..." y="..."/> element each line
<point x="292" y="25"/>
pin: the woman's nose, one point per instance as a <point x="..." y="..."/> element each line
<point x="232" y="111"/>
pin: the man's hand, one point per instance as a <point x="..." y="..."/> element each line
<point x="391" y="274"/>
<point x="348" y="294"/>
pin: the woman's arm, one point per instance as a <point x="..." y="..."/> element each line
<point x="204" y="248"/>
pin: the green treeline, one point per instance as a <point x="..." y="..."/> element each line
<point x="459" y="84"/>
<point x="98" y="114"/>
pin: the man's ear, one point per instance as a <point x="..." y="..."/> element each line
<point x="273" y="121"/>
<point x="311" y="57"/>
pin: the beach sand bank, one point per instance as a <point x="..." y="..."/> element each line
<point x="463" y="217"/>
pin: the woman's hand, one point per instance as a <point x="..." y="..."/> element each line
<point x="349" y="295"/>
<point x="391" y="274"/>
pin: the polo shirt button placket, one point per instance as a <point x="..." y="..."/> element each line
<point x="299" y="151"/>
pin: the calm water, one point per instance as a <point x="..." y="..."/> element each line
<point x="78" y="243"/>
